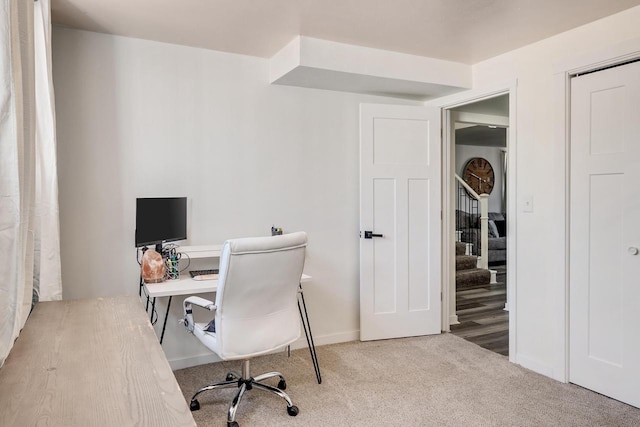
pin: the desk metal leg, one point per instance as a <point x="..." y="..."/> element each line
<point x="307" y="332"/>
<point x="166" y="316"/>
<point x="140" y="293"/>
<point x="153" y="308"/>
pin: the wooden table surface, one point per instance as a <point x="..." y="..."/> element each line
<point x="90" y="362"/>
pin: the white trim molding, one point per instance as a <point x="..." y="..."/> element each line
<point x="534" y="365"/>
<point x="448" y="289"/>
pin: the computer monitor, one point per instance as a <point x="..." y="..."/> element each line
<point x="159" y="220"/>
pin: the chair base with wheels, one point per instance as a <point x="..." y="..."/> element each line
<point x="245" y="383"/>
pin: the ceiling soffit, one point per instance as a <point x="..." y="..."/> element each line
<point x="320" y="64"/>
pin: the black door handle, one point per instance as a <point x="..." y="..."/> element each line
<point x="369" y="235"/>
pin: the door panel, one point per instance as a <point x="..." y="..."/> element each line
<point x="400" y="199"/>
<point x="400" y="142"/>
<point x="605" y="227"/>
<point x="384" y="251"/>
<point x="419" y="210"/>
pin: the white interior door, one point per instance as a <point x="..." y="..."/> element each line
<point x="605" y="233"/>
<point x="400" y="188"/>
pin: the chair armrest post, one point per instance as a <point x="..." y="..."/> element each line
<point x="188" y="310"/>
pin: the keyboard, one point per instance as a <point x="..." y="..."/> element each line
<point x="204" y="274"/>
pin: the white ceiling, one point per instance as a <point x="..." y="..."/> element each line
<point x="466" y="31"/>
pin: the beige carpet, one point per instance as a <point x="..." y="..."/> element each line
<point x="425" y="381"/>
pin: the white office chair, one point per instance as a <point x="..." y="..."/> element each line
<point x="256" y="310"/>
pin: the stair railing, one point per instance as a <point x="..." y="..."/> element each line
<point x="469" y="201"/>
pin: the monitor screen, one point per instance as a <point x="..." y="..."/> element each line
<point x="162" y="219"/>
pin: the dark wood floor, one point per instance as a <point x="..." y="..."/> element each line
<point x="483" y="320"/>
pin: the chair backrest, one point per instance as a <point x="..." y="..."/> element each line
<point x="257" y="294"/>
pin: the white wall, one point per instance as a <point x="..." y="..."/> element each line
<point x="540" y="174"/>
<point x="139" y="118"/>
<point x="144" y="119"/>
<point x="494" y="156"/>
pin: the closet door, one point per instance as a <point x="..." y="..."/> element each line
<point x="605" y="232"/>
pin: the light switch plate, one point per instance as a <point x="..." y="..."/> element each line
<point x="527" y="204"/>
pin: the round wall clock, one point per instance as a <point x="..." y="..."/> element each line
<point x="478" y="174"/>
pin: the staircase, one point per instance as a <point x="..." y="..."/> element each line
<point x="468" y="276"/>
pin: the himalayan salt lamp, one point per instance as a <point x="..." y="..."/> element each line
<point x="152" y="267"/>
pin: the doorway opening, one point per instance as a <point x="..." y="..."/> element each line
<point x="478" y="143"/>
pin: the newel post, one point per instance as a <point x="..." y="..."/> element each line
<point x="484" y="231"/>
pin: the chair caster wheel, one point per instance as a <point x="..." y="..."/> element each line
<point x="282" y="385"/>
<point x="292" y="410"/>
<point x="194" y="405"/>
<point x="230" y="377"/>
<point x="232" y="424"/>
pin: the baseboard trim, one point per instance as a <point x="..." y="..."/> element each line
<point x="453" y="320"/>
<point x="319" y="340"/>
<point x="534" y="365"/>
<point x="187" y="362"/>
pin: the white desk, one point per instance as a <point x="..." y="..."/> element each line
<point x="202" y="251"/>
<point x="185" y="285"/>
